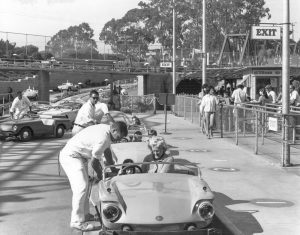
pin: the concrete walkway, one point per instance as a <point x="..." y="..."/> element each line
<point x="254" y="195"/>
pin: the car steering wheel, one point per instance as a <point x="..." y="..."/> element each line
<point x="130" y="170"/>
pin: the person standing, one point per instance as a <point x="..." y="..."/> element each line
<point x="239" y="97"/>
<point x="88" y="145"/>
<point x="86" y="114"/>
<point x="20" y="106"/>
<point x="208" y="107"/>
<point x="271" y="94"/>
<point x="201" y="95"/>
<point x="294" y="96"/>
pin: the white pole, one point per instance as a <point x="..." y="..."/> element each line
<point x="286" y="81"/>
<point x="204" y="42"/>
<point x="174" y="50"/>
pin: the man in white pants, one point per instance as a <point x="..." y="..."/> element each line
<point x="88" y="144"/>
<point x="20" y="106"/>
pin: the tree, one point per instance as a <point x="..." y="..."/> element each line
<point x="74" y="42"/>
<point x="6" y="48"/>
<point x="153" y="22"/>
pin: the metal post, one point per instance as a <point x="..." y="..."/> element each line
<point x="256" y="133"/>
<point x="285" y="82"/>
<point x="192" y="110"/>
<point x="26" y="46"/>
<point x="91" y="49"/>
<point x="236" y="126"/>
<point x="204" y="42"/>
<point x="244" y="122"/>
<point x="184" y="108"/>
<point x="174" y="49"/>
<point x="221" y="120"/>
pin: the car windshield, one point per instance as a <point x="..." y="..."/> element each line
<point x="158" y="167"/>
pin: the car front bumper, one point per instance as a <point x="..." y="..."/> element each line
<point x="207" y="231"/>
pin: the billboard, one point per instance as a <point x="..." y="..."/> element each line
<point x="266" y="32"/>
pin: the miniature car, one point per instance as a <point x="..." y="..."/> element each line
<point x="135" y="130"/>
<point x="175" y="201"/>
<point x="67" y="86"/>
<point x="34" y="125"/>
<point x="67" y="108"/>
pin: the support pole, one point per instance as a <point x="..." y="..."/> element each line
<point x="174" y="49"/>
<point x="285" y="82"/>
<point x="204" y="42"/>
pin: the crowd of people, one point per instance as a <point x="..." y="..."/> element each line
<point x="209" y="98"/>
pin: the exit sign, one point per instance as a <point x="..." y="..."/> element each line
<point x="265" y="32"/>
<point x="166" y="64"/>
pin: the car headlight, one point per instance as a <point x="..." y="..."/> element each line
<point x="14" y="127"/>
<point x="206" y="210"/>
<point x="111" y="212"/>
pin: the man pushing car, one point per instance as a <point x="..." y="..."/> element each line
<point x="20" y="106"/>
<point x="88" y="144"/>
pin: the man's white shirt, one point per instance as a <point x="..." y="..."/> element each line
<point x="20" y="105"/>
<point x="90" y="142"/>
<point x="101" y="109"/>
<point x="86" y="114"/>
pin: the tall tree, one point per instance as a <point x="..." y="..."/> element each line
<point x="6" y="48"/>
<point x="152" y="22"/>
<point x="76" y="41"/>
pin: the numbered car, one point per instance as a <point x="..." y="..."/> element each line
<point x="34" y="125"/>
<point x="175" y="200"/>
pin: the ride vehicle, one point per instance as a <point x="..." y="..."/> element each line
<point x="135" y="129"/>
<point x="33" y="125"/>
<point x="175" y="200"/>
<point x="68" y="86"/>
<point x="66" y="108"/>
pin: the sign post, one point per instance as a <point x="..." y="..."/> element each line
<point x="166" y="99"/>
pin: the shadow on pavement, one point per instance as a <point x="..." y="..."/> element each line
<point x="244" y="221"/>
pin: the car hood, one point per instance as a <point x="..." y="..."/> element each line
<point x="172" y="196"/>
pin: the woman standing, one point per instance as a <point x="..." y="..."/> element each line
<point x="208" y="108"/>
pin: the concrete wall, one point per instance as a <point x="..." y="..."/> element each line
<point x="18" y="86"/>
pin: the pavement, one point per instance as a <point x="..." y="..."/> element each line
<point x="254" y="195"/>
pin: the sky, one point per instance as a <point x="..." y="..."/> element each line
<point x="47" y="17"/>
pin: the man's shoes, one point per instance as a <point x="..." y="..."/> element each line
<point x="84" y="227"/>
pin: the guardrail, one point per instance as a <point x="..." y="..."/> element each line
<point x="247" y="120"/>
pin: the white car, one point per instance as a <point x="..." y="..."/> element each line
<point x="68" y="86"/>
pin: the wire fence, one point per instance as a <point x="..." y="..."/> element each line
<point x="247" y="120"/>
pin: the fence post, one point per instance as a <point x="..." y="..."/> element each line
<point x="236" y="126"/>
<point x="154" y="104"/>
<point x="263" y="128"/>
<point x="131" y="103"/>
<point x="184" y="107"/>
<point x="256" y="133"/>
<point x="3" y="106"/>
<point x="244" y="122"/>
<point x="221" y="120"/>
<point x="192" y="110"/>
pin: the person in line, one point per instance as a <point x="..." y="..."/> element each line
<point x="271" y="94"/>
<point x="279" y="97"/>
<point x="294" y="96"/>
<point x="201" y="95"/>
<point x="20" y="106"/>
<point x="88" y="145"/>
<point x="239" y="97"/>
<point x="262" y="99"/>
<point x="208" y="107"/>
<point x="158" y="148"/>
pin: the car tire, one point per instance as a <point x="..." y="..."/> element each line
<point x="60" y="131"/>
<point x="25" y="134"/>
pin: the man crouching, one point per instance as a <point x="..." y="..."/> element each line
<point x="88" y="144"/>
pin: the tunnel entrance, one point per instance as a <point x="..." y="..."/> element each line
<point x="189" y="86"/>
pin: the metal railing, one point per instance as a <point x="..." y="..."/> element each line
<point x="246" y="120"/>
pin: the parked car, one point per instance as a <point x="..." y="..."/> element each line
<point x="178" y="200"/>
<point x="66" y="108"/>
<point x="68" y="86"/>
<point x="34" y="125"/>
